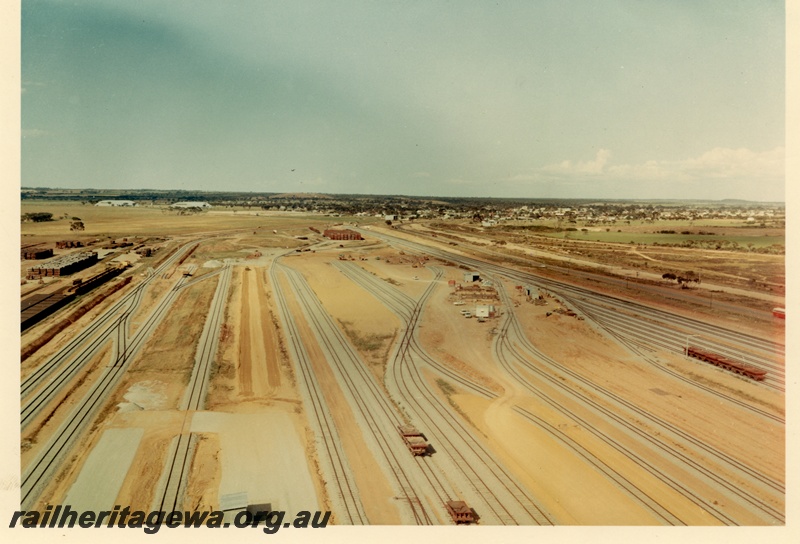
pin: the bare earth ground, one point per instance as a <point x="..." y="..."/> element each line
<point x="66" y="335"/>
<point x="257" y="455"/>
<point x="375" y="491"/>
<point x="762" y="274"/>
<point x="553" y="471"/>
<point x="254" y="435"/>
<point x="51" y="417"/>
<point x="702" y="296"/>
<point x="166" y="360"/>
<point x="370" y="326"/>
<point x="465" y="346"/>
<point x="251" y="386"/>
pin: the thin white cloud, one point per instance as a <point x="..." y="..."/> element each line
<point x="737" y="163"/>
<point x="589" y="167"/>
<point x="718" y="164"/>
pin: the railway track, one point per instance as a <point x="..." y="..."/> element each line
<point x="37" y="391"/>
<point x="176" y="474"/>
<point x="334" y="461"/>
<point x="630" y="487"/>
<point x="670" y="329"/>
<point x="753" y="502"/>
<point x="661" y="320"/>
<point x="632" y="330"/>
<point x="432" y="473"/>
<point x="364" y="395"/>
<point x="503" y="346"/>
<point x="618" y="412"/>
<point x="770" y="348"/>
<point x="493" y="486"/>
<point x="43" y="467"/>
<point x="404" y="306"/>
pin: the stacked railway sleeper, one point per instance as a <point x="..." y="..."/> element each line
<point x="38" y="393"/>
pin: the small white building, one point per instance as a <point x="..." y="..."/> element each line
<point x="191" y="205"/>
<point x="485" y="310"/>
<point x="472" y="276"/>
<point x="116" y="203"/>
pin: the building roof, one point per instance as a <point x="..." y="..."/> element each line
<point x="191" y="205"/>
<point x="233" y="501"/>
<point x="116" y="203"/>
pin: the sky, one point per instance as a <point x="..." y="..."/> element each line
<point x="547" y="99"/>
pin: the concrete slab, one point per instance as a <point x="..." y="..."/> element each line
<point x="261" y="455"/>
<point x="101" y="477"/>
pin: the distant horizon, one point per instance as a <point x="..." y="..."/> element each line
<point x="399" y="195"/>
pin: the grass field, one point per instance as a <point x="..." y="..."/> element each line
<point x="707" y="233"/>
<point x="758" y="267"/>
<point x="719" y="237"/>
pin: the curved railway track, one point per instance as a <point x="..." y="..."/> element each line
<point x="747" y="473"/>
<point x="37" y="474"/>
<point x="36" y="392"/>
<point x="770" y="348"/>
<point x="661" y="320"/>
<point x="632" y="331"/>
<point x="351" y="510"/>
<point x="512" y="334"/>
<point x="366" y="395"/>
<point x="488" y="478"/>
<point x="404" y="306"/>
<point x="36" y="396"/>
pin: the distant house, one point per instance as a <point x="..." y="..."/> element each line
<point x="191" y="205"/>
<point x="116" y="203"/>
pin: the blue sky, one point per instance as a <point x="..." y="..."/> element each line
<point x="639" y="99"/>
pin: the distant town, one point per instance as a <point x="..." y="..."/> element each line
<point x="488" y="211"/>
